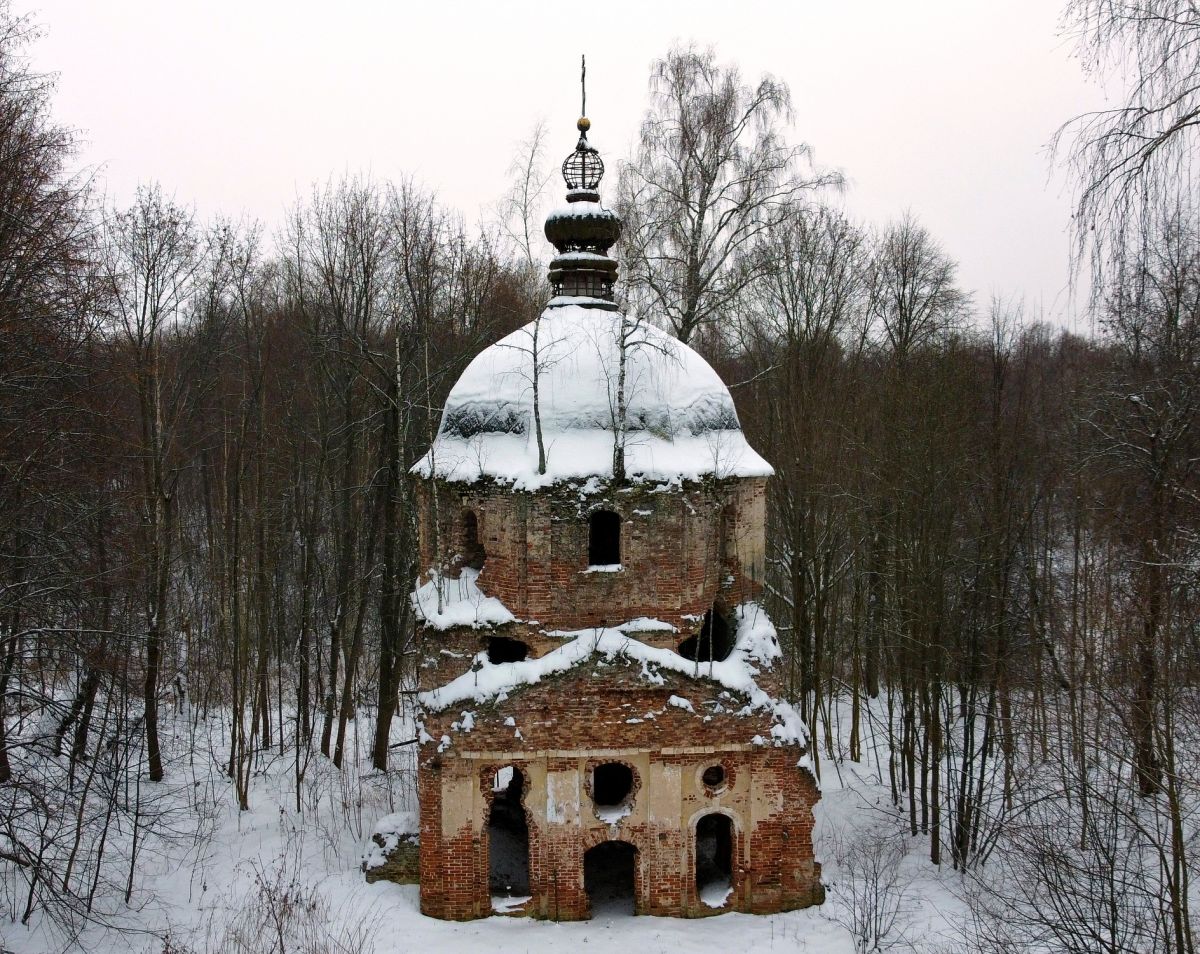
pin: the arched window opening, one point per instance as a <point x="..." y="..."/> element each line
<point x="713" y="643"/>
<point x="609" y="878"/>
<point x="508" y="836"/>
<point x="502" y="649"/>
<point x="471" y="548"/>
<point x="714" y="859"/>
<point x="604" y="539"/>
<point x="612" y="784"/>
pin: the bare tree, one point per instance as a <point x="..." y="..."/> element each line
<point x="712" y="172"/>
<point x="808" y="312"/>
<point x="913" y="295"/>
<point x="45" y="284"/>
<point x="871" y="896"/>
<point x="521" y="207"/>
<point x="1131" y="160"/>
<point x="152" y="265"/>
<point x="1146" y="421"/>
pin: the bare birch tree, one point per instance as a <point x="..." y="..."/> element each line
<point x="712" y="172"/>
<point x="1134" y="159"/>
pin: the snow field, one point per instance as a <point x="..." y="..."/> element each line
<point x="235" y="878"/>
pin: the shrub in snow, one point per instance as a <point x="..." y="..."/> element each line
<point x="284" y="912"/>
<point x="870" y="893"/>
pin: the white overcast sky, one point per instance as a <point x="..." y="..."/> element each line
<point x="943" y="107"/>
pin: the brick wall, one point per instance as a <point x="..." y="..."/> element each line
<point x="681" y="548"/>
<point x="568" y="724"/>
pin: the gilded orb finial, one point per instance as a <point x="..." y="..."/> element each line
<point x="584" y="124"/>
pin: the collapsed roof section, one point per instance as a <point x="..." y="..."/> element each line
<point x="756" y="647"/>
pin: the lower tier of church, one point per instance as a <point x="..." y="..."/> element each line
<point x="684" y="831"/>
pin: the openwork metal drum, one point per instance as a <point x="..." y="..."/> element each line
<point x="583" y="169"/>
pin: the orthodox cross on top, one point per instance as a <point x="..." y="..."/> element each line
<point x="583" y="168"/>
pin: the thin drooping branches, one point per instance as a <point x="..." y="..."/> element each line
<point x="1136" y="159"/>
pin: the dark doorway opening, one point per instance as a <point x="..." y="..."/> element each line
<point x="473" y="553"/>
<point x="604" y="538"/>
<point x="612" y="783"/>
<point x="502" y="649"/>
<point x="714" y="859"/>
<point x="508" y="836"/>
<point x="713" y="643"/>
<point x="609" y="879"/>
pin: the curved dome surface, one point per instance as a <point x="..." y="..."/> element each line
<point x="680" y="419"/>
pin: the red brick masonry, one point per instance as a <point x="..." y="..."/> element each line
<point x="604" y="711"/>
<point x="684" y="549"/>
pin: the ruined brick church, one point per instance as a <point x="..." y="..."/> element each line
<point x="600" y="726"/>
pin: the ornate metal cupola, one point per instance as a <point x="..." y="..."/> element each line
<point x="582" y="273"/>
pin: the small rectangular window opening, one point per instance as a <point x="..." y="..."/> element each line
<point x="604" y="539"/>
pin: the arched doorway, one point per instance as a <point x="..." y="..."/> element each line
<point x="609" y="878"/>
<point x="714" y="859"/>
<point x="713" y="643"/>
<point x="508" y="836"/>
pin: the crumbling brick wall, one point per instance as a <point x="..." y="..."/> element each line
<point x="568" y="724"/>
<point x="681" y="547"/>
<point x="684" y="549"/>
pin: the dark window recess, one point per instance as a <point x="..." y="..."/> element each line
<point x="714" y="858"/>
<point x="473" y="553"/>
<point x="713" y="643"/>
<point x="727" y="528"/>
<point x="501" y="649"/>
<point x="508" y="836"/>
<point x="608" y="878"/>
<point x="604" y="538"/>
<point x="611" y="783"/>
<point x="713" y="776"/>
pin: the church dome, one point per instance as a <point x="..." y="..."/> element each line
<point x="680" y="419"/>
<point x="564" y="369"/>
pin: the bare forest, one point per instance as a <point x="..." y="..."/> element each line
<point x="984" y="542"/>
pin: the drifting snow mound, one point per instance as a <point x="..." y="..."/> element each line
<point x="459" y="603"/>
<point x="680" y="419"/>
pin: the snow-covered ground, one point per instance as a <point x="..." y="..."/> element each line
<point x="230" y="881"/>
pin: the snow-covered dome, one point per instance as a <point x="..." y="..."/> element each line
<point x="680" y="422"/>
<point x="590" y="375"/>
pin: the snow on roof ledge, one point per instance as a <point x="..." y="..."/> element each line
<point x="756" y="645"/>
